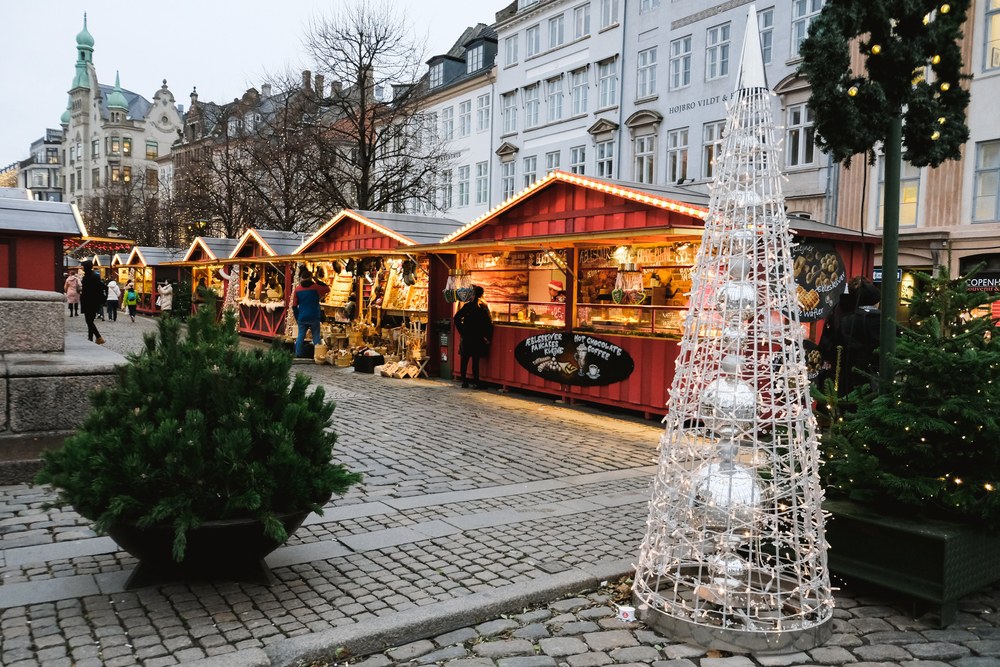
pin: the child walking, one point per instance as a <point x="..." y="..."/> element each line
<point x="130" y="299"/>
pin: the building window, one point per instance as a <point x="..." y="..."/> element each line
<point x="127" y="146"/>
<point x="551" y="161"/>
<point x="803" y="13"/>
<point x="474" y="60"/>
<point x="579" y="83"/>
<point x="530" y="170"/>
<point x="765" y="22"/>
<point x="465" y="118"/>
<point x="557" y="35"/>
<point x="609" y="12"/>
<point x="72" y="154"/>
<point x="986" y="189"/>
<point x="72" y="182"/>
<point x="436" y="75"/>
<point x="605" y="161"/>
<point x="116" y="146"/>
<point x="799" y="136"/>
<point x="508" y="105"/>
<point x="607" y="83"/>
<point x="680" y="63"/>
<point x="52" y="155"/>
<point x="116" y="175"/>
<point x="95" y="148"/>
<point x="717" y="52"/>
<point x="554" y="93"/>
<point x="127" y="174"/>
<point x="581" y="21"/>
<point x="532" y="41"/>
<point x="992" y="40"/>
<point x="152" y="179"/>
<point x="648" y="5"/>
<point x="463" y="185"/>
<point x="95" y="178"/>
<point x="448" y="124"/>
<point x="531" y="103"/>
<point x="445" y="189"/>
<point x="644" y="168"/>
<point x="677" y="155"/>
<point x="482" y="182"/>
<point x="483" y="113"/>
<point x="152" y="150"/>
<point x="578" y="159"/>
<point x="646" y="70"/>
<point x="510" y="50"/>
<point x="507" y="180"/>
<point x="909" y="193"/>
<point x="711" y="146"/>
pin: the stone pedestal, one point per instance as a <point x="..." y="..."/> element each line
<point x="46" y="377"/>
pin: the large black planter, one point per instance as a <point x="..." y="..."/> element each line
<point x="231" y="550"/>
<point x="935" y="563"/>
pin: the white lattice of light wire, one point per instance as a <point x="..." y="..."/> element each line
<point x="735" y="544"/>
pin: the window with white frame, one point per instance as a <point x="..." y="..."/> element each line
<point x="482" y="182"/>
<point x="474" y="59"/>
<point x="677" y="155"/>
<point x="609" y="13"/>
<point x="799" y="135"/>
<point x="530" y="170"/>
<point x="648" y="5"/>
<point x="578" y="91"/>
<point x="717" y="52"/>
<point x="803" y="14"/>
<point x="508" y="106"/>
<point x="765" y="23"/>
<point x="554" y="97"/>
<point x="551" y="161"/>
<point x="507" y="180"/>
<point x="581" y="21"/>
<point x="463" y="185"/>
<point x="510" y="50"/>
<point x="483" y="113"/>
<point x="644" y="151"/>
<point x="577" y="159"/>
<point x="557" y="31"/>
<point x="465" y="118"/>
<point x="680" y="63"/>
<point x="986" y="187"/>
<point x="605" y="159"/>
<point x="646" y="70"/>
<point x="992" y="40"/>
<point x="448" y="124"/>
<point x="532" y="41"/>
<point x="531" y="103"/>
<point x="445" y="189"/>
<point x="711" y="146"/>
<point x="436" y="75"/>
<point x="607" y="83"/>
<point x="95" y="149"/>
<point x="909" y="193"/>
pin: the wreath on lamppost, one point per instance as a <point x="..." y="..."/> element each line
<point x="912" y="68"/>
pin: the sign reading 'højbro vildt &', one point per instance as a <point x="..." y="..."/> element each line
<point x="574" y="358"/>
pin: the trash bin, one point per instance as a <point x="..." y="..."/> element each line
<point x="444" y="347"/>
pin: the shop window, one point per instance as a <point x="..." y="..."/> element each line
<point x="677" y="155"/>
<point x="680" y="63"/>
<point x="909" y="193"/>
<point x="986" y="188"/>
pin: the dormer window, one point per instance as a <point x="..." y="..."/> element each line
<point x="474" y="59"/>
<point x="234" y="126"/>
<point x="250" y="121"/>
<point x="437" y="75"/>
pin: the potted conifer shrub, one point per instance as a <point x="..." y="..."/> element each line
<point x="203" y="457"/>
<point x="912" y="470"/>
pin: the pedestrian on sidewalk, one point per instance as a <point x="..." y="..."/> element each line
<point x="130" y="300"/>
<point x="72" y="289"/>
<point x="475" y="327"/>
<point x="306" y="308"/>
<point x="114" y="298"/>
<point x="93" y="296"/>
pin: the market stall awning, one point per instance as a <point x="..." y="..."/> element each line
<point x="153" y="256"/>
<point x="41" y="217"/>
<point x="269" y="242"/>
<point x="352" y="230"/>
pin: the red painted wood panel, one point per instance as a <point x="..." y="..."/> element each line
<point x="261" y="322"/>
<point x="349" y="234"/>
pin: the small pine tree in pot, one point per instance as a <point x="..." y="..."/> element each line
<point x="197" y="431"/>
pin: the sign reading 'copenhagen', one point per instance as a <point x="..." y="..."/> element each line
<point x="574" y="358"/>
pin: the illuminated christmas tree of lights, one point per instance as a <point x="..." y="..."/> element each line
<point x="734" y="555"/>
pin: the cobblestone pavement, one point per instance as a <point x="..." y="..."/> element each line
<point x="466" y="494"/>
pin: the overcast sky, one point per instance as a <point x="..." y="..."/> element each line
<point x="221" y="46"/>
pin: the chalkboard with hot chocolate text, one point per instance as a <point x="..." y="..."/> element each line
<point x="574" y="358"/>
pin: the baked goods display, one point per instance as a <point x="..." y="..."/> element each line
<point x="819" y="279"/>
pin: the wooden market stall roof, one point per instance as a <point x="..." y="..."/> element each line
<point x="46" y="218"/>
<point x="269" y="243"/>
<point x="352" y="230"/>
<point x="153" y="256"/>
<point x="208" y="248"/>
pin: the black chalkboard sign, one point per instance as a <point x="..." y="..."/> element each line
<point x="574" y="358"/>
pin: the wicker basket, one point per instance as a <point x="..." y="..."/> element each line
<point x="342" y="362"/>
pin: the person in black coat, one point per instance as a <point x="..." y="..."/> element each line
<point x="93" y="295"/>
<point x="475" y="326"/>
<point x="851" y="336"/>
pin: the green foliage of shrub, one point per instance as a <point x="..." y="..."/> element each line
<point x="197" y="429"/>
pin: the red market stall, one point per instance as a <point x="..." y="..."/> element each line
<point x="264" y="280"/>
<point x="33" y="235"/>
<point x="588" y="283"/>
<point x="146" y="267"/>
<point x="205" y="258"/>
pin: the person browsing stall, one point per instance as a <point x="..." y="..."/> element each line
<point x="475" y="327"/>
<point x="306" y="301"/>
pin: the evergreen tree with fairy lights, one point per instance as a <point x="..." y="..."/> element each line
<point x="928" y="445"/>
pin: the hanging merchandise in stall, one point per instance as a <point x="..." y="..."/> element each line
<point x="263" y="279"/>
<point x="205" y="259"/>
<point x="147" y="267"/>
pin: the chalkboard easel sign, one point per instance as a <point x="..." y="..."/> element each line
<point x="574" y="358"/>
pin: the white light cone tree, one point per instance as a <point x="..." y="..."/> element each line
<point x="734" y="556"/>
